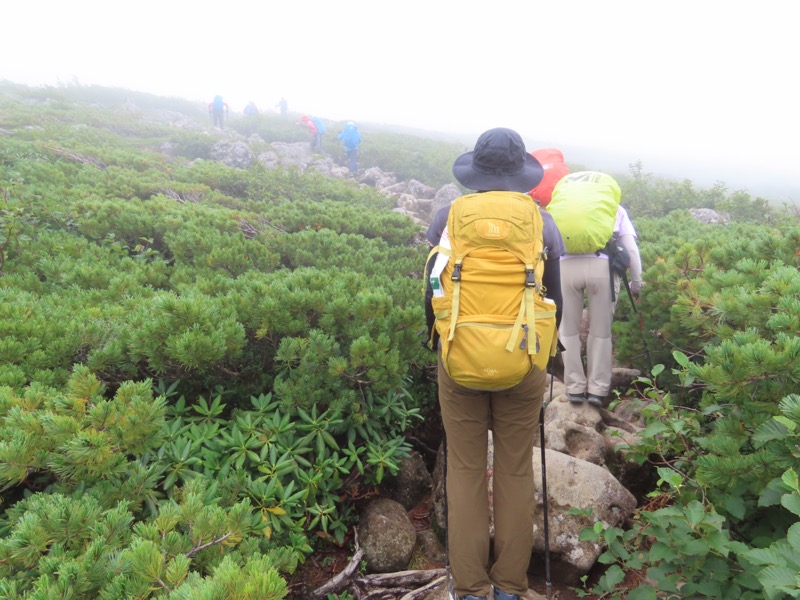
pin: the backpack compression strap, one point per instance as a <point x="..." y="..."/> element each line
<point x="456" y="277"/>
<point x="526" y="308"/>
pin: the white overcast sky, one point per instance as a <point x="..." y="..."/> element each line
<point x="713" y="81"/>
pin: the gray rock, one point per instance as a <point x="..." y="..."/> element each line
<point x="234" y="154"/>
<point x="707" y="215"/>
<point x="575" y="483"/>
<point x="413" y="482"/>
<point x="387" y="536"/>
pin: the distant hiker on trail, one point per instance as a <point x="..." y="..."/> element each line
<point x="313" y="133"/>
<point x="283" y="106"/>
<point x="251" y="109"/>
<point x="218" y="109"/>
<point x="351" y="138"/>
<point x="495" y="295"/>
<point x="316" y="128"/>
<point x="585" y="206"/>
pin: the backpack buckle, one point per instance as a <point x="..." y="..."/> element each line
<point x="456" y="272"/>
<point x="530" y="279"/>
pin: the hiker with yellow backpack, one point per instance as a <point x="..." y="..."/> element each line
<point x="494" y="301"/>
<point x="601" y="246"/>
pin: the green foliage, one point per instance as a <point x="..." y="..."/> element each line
<point x="192" y="548"/>
<point x="298" y="472"/>
<point x="725" y="521"/>
<point x="123" y="263"/>
<point x="690" y="555"/>
<point x="779" y="564"/>
<point x="645" y="195"/>
<point x="279" y="313"/>
<point x="77" y="436"/>
<point x="716" y="281"/>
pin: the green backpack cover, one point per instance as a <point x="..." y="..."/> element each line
<point x="584" y="207"/>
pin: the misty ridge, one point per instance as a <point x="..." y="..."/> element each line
<point x="776" y="189"/>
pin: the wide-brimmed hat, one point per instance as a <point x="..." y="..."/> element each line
<point x="498" y="162"/>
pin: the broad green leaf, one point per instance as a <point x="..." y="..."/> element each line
<point x="710" y="589"/>
<point x="680" y="358"/>
<point x="657" y="370"/>
<point x="793" y="537"/>
<point x="790" y="479"/>
<point x="778" y="577"/>
<point x="718" y="542"/>
<point x="786" y="422"/>
<point x="613" y="577"/>
<point x="643" y="592"/>
<point x="695" y="512"/>
<point x="735" y="506"/>
<point x="792" y="502"/>
<point x="659" y="551"/>
<point x="763" y="556"/>
<point x="695" y="548"/>
<point x="671" y="477"/>
<point x="769" y="431"/>
<point x="773" y="493"/>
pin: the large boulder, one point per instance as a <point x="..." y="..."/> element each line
<point x="387" y="536"/>
<point x="232" y="153"/>
<point x="574" y="483"/>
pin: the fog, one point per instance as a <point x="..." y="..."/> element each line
<point x="697" y="90"/>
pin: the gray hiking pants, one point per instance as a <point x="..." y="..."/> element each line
<point x="587" y="277"/>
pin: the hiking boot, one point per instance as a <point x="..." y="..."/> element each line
<point x="576" y="398"/>
<point x="595" y="400"/>
<point x="452" y="596"/>
<point x="501" y="595"/>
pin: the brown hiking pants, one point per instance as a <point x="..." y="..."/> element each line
<point x="513" y="416"/>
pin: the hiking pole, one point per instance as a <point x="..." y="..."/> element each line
<point x="548" y="582"/>
<point x="641" y="322"/>
<point x="644" y="343"/>
<point x="446" y="522"/>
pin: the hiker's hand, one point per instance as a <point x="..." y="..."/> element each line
<point x="636" y="287"/>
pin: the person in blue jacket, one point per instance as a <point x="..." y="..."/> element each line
<point x="351" y="138"/>
<point x="218" y="108"/>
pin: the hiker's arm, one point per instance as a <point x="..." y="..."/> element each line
<point x="629" y="243"/>
<point x="551" y="279"/>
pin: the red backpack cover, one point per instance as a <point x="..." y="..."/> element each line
<point x="555" y="168"/>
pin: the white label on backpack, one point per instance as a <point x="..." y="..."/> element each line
<point x="439" y="265"/>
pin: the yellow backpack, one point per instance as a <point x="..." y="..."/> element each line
<point x="493" y="321"/>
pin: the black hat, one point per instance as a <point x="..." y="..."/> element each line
<point x="498" y="162"/>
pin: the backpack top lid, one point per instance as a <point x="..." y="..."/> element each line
<point x="555" y="168"/>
